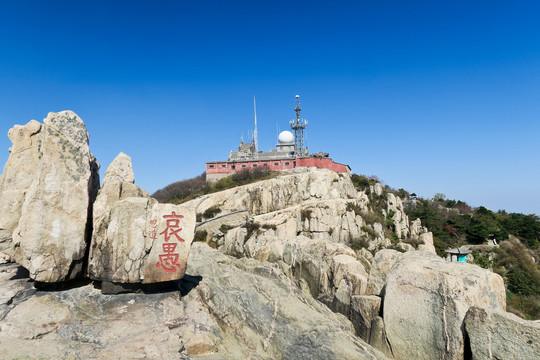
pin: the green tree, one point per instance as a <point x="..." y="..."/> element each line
<point x="477" y="232"/>
<point x="439" y="197"/>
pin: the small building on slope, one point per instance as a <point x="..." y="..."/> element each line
<point x="290" y="153"/>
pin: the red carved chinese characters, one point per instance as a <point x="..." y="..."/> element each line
<point x="173" y="226"/>
<point x="168" y="261"/>
<point x="153" y="230"/>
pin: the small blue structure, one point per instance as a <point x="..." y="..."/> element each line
<point x="459" y="254"/>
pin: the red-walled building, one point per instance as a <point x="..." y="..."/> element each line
<point x="216" y="170"/>
<point x="289" y="153"/>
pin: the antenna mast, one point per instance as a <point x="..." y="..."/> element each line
<point x="298" y="125"/>
<point x="255" y="133"/>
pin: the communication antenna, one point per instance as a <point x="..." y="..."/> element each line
<point x="255" y="133"/>
<point x="298" y="125"/>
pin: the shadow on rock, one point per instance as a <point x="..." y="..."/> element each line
<point x="184" y="286"/>
<point x="188" y="283"/>
<point x="21" y="273"/>
<point x="60" y="286"/>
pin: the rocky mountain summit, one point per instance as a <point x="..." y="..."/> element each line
<point x="305" y="265"/>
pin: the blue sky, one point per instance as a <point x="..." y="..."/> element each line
<point x="429" y="96"/>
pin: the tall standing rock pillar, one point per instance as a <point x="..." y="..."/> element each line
<point x="52" y="204"/>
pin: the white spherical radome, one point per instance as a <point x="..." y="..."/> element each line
<point x="285" y="137"/>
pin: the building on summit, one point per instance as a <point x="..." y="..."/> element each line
<point x="290" y="153"/>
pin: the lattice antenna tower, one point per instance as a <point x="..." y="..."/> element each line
<point x="298" y="125"/>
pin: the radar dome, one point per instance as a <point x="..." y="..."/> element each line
<point x="285" y="137"/>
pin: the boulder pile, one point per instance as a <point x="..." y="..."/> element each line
<point x="57" y="222"/>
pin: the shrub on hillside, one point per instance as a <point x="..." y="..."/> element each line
<point x="181" y="189"/>
<point x="362" y="182"/>
<point x="189" y="189"/>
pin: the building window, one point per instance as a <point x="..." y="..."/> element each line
<point x="223" y="165"/>
<point x="286" y="163"/>
<point x="265" y="165"/>
<point x="233" y="166"/>
<point x="244" y="166"/>
<point x="211" y="166"/>
<point x="254" y="165"/>
<point x="276" y="164"/>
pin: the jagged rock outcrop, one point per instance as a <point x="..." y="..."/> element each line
<point x="426" y="300"/>
<point x="426" y="242"/>
<point x="324" y="267"/>
<point x="18" y="177"/>
<point x="135" y="239"/>
<point x="399" y="218"/>
<point x="266" y="313"/>
<point x="231" y="309"/>
<point x="46" y="195"/>
<point x="310" y="239"/>
<point x="276" y="194"/>
<point x="118" y="184"/>
<point x="495" y="334"/>
<point x="316" y="203"/>
<point x="364" y="310"/>
<point x="329" y="272"/>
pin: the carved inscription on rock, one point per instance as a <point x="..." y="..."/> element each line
<point x="171" y="229"/>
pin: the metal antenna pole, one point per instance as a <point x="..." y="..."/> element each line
<point x="255" y="133"/>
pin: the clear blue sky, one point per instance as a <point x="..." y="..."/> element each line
<point x="430" y="96"/>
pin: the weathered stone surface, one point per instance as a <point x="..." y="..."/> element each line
<point x="118" y="184"/>
<point x="364" y="309"/>
<point x="132" y="238"/>
<point x="347" y="268"/>
<point x="227" y="220"/>
<point x="404" y="247"/>
<point x="400" y="219"/>
<point x="330" y="272"/>
<point x="234" y="242"/>
<point x="315" y="203"/>
<point x="276" y="194"/>
<point x="382" y="262"/>
<point x="48" y="187"/>
<point x="261" y="308"/>
<point x="427" y="242"/>
<point x="231" y="309"/>
<point x="365" y="258"/>
<point x="81" y="323"/>
<point x="376" y="188"/>
<point x="15" y="287"/>
<point x="330" y="220"/>
<point x="34" y="318"/>
<point x="378" y="338"/>
<point x="426" y="301"/>
<point x="265" y="248"/>
<point x="132" y="241"/>
<point x="416" y="228"/>
<point x="19" y="173"/>
<point x="4" y="258"/>
<point x="120" y="171"/>
<point x="312" y="261"/>
<point x="495" y="334"/>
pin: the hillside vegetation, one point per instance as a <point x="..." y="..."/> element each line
<point x="454" y="223"/>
